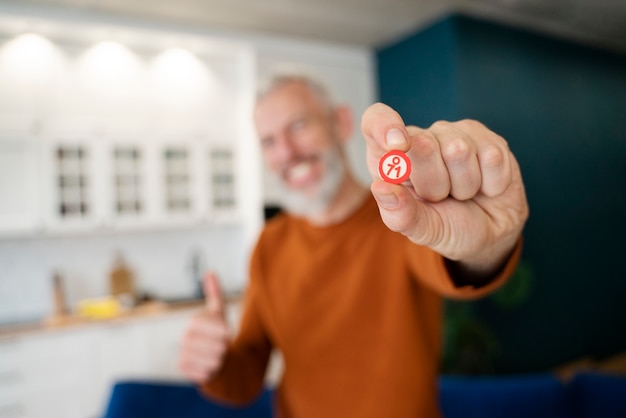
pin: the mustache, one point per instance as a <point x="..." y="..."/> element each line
<point x="319" y="198"/>
<point x="298" y="161"/>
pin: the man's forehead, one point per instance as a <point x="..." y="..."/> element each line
<point x="283" y="104"/>
<point x="291" y="92"/>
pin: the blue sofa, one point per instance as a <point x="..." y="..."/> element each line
<point x="586" y="395"/>
<point x="142" y="399"/>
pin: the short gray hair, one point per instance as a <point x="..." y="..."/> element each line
<point x="314" y="86"/>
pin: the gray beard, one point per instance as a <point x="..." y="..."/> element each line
<point x="305" y="205"/>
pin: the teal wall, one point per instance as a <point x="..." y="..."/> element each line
<point x="562" y="108"/>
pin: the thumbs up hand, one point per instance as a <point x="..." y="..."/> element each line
<point x="206" y="338"/>
<point x="213" y="300"/>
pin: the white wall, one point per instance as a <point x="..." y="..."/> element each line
<point x="160" y="258"/>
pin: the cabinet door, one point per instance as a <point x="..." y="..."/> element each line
<point x="143" y="349"/>
<point x="20" y="191"/>
<point x="163" y="336"/>
<point x="72" y="184"/>
<point x="55" y="403"/>
<point x="119" y="354"/>
<point x="126" y="185"/>
<point x="222" y="184"/>
<point x="178" y="197"/>
<point x="45" y="375"/>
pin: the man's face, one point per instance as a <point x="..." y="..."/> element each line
<point x="301" y="146"/>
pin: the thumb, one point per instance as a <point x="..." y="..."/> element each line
<point x="214" y="302"/>
<point x="403" y="213"/>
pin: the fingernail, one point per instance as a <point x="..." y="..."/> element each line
<point x="395" y="138"/>
<point x="387" y="200"/>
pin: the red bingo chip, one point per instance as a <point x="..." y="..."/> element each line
<point x="394" y="167"/>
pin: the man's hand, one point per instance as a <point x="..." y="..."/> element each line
<point x="206" y="339"/>
<point x="465" y="197"/>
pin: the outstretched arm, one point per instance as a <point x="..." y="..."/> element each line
<point x="465" y="197"/>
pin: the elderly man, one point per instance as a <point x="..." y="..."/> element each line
<point x="348" y="283"/>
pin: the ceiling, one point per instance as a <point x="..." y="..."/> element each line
<point x="368" y="22"/>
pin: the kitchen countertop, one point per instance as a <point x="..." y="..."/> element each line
<point x="146" y="309"/>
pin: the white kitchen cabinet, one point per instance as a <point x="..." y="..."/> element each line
<point x="20" y="185"/>
<point x="57" y="403"/>
<point x="71" y="186"/>
<point x="126" y="185"/>
<point x="161" y="338"/>
<point x="50" y="185"/>
<point x="140" y="349"/>
<point x="193" y="182"/>
<point x="179" y="199"/>
<point x="119" y="352"/>
<point x="70" y="373"/>
<point x="73" y="183"/>
<point x="125" y="150"/>
<point x="44" y="375"/>
<point x="222" y="183"/>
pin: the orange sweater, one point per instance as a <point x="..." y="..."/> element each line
<point x="355" y="310"/>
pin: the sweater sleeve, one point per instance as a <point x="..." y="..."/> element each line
<point x="241" y="378"/>
<point x="430" y="269"/>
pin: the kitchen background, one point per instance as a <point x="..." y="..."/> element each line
<point x="125" y="137"/>
<point x="104" y="87"/>
<point x="125" y="143"/>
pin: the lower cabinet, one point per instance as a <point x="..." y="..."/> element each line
<point x="69" y="373"/>
<point x="44" y="375"/>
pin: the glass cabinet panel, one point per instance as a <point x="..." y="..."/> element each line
<point x="128" y="181"/>
<point x="177" y="180"/>
<point x="73" y="182"/>
<point x="222" y="179"/>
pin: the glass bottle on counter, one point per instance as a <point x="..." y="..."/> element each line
<point x="198" y="266"/>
